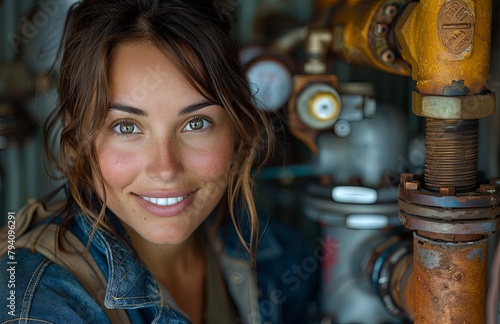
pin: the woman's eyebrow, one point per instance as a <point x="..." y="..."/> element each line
<point x="129" y="109"/>
<point x="194" y="107"/>
<point x="139" y="112"/>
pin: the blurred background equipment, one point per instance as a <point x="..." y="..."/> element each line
<point x="388" y="143"/>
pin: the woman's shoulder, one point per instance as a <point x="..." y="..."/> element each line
<point x="42" y="291"/>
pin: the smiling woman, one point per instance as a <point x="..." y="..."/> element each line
<point x="165" y="153"/>
<point x="160" y="135"/>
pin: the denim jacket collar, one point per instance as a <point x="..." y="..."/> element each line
<point x="130" y="284"/>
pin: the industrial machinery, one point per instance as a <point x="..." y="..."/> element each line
<point x="407" y="224"/>
<point x="434" y="269"/>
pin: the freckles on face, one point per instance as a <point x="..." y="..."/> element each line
<point x="117" y="162"/>
<point x="165" y="156"/>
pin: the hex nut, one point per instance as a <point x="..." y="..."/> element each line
<point x="453" y="107"/>
<point x="412" y="185"/>
<point x="487" y="188"/>
<point x="447" y="191"/>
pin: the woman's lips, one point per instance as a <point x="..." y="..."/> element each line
<point x="163" y="206"/>
<point x="164" y="201"/>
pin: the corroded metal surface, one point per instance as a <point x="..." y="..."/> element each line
<point x="445" y="212"/>
<point x="453" y="107"/>
<point x="473" y="199"/>
<point x="450" y="65"/>
<point x="451" y="154"/>
<point x="450" y="281"/>
<point x="450" y="214"/>
<point x="449" y="228"/>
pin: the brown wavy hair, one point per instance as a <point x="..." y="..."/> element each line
<point x="195" y="36"/>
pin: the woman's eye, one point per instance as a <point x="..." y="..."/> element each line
<point x="125" y="128"/>
<point x="197" y="123"/>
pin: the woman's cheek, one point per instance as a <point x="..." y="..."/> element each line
<point x="117" y="166"/>
<point x="214" y="162"/>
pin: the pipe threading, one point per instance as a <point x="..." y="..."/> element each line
<point x="451" y="154"/>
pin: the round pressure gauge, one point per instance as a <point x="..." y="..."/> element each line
<point x="270" y="81"/>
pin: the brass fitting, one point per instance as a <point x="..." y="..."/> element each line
<point x="300" y="103"/>
<point x="459" y="50"/>
<point x="453" y="107"/>
<point x="316" y="47"/>
<point x="362" y="34"/>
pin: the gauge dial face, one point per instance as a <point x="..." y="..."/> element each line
<point x="270" y="82"/>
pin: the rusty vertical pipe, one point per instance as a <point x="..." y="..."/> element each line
<point x="447" y="43"/>
<point x="450" y="281"/>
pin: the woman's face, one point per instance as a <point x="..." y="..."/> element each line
<point x="165" y="151"/>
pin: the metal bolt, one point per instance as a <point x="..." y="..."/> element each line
<point x="447" y="191"/>
<point x="391" y="11"/>
<point x="388" y="56"/>
<point x="406" y="177"/>
<point x="488" y="188"/>
<point x="381" y="29"/>
<point x="412" y="185"/>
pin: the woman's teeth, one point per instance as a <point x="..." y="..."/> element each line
<point x="163" y="201"/>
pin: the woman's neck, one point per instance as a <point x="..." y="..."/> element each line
<point x="180" y="269"/>
<point x="166" y="260"/>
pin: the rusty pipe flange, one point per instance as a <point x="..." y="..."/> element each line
<point x="478" y="226"/>
<point x="487" y="196"/>
<point x="453" y="107"/>
<point x="449" y="214"/>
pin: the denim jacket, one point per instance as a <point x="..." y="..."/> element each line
<point x="33" y="291"/>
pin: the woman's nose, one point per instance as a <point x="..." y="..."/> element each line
<point x="165" y="163"/>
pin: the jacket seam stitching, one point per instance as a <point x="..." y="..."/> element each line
<point x="31" y="287"/>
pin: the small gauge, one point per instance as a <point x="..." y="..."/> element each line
<point x="319" y="106"/>
<point x="270" y="81"/>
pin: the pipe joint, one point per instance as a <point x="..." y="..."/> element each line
<point x="453" y="107"/>
<point x="447" y="213"/>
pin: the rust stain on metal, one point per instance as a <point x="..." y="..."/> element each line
<point x="475" y="254"/>
<point x="456" y="26"/>
<point x="452" y="281"/>
<point x="430" y="259"/>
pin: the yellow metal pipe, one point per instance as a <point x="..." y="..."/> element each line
<point x="447" y="44"/>
<point x="362" y="31"/>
